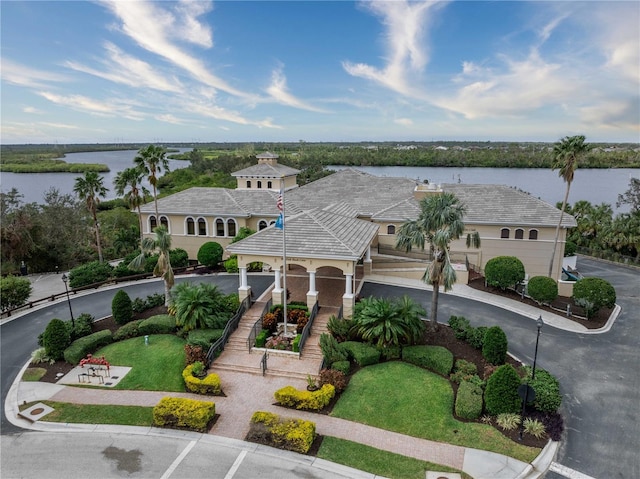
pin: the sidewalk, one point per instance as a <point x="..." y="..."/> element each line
<point x="247" y="393"/>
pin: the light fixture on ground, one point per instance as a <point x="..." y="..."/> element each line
<point x="65" y="280"/>
<point x="525" y="391"/>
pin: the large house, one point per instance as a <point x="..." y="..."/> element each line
<point x="350" y="218"/>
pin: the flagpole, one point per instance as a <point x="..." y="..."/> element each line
<point x="284" y="260"/>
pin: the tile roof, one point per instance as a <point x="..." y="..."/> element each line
<point x="312" y="234"/>
<point x="265" y="170"/>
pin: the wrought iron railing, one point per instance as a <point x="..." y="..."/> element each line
<point x="217" y="347"/>
<point x="257" y="326"/>
<point x="306" y="331"/>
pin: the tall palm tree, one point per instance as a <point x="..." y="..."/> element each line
<point x="90" y="189"/>
<point x="129" y="183"/>
<point x="162" y="245"/>
<point x="566" y="153"/>
<point x="439" y="223"/>
<point x="152" y="160"/>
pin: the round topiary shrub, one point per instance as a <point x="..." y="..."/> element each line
<point x="547" y="388"/>
<point x="501" y="393"/>
<point x="504" y="271"/>
<point x="542" y="289"/>
<point x="592" y="294"/>
<point x="56" y="338"/>
<point x="121" y="307"/>
<point x="494" y="347"/>
<point x="210" y="254"/>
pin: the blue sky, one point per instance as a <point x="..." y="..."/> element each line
<point x="136" y="71"/>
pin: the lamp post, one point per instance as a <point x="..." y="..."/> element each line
<point x="65" y="279"/>
<point x="525" y="390"/>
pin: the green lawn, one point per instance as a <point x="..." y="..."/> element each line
<point x="97" y="414"/>
<point x="154" y="367"/>
<point x="410" y="400"/>
<point x="376" y="461"/>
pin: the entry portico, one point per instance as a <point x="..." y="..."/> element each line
<point x="315" y="239"/>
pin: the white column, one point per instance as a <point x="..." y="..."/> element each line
<point x="312" y="294"/>
<point x="368" y="256"/>
<point x="348" y="285"/>
<point x="277" y="281"/>
<point x="244" y="290"/>
<point x="312" y="282"/>
<point x="243" y="277"/>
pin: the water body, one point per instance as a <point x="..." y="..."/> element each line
<point x="593" y="185"/>
<point x="34" y="185"/>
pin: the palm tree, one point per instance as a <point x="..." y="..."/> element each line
<point x="152" y="160"/>
<point x="388" y="323"/>
<point x="439" y="223"/>
<point x="566" y="153"/>
<point x="131" y="178"/>
<point x="194" y="306"/>
<point x="90" y="189"/>
<point x="162" y="245"/>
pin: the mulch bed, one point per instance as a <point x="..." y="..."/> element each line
<point x="559" y="306"/>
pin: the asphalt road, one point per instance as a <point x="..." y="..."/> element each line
<point x="599" y="373"/>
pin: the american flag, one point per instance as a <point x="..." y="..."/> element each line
<point x="279" y="202"/>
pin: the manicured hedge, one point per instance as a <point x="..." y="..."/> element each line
<point x="547" y="388"/>
<point x="158" y="324"/>
<point x="468" y="400"/>
<point x="261" y="338"/>
<point x="86" y="345"/>
<point x="210" y="384"/>
<point x="362" y="353"/>
<point x="183" y="413"/>
<point x="310" y="400"/>
<point x="343" y="366"/>
<point x="129" y="330"/>
<point x="542" y="289"/>
<point x="56" y="338"/>
<point x="504" y="271"/>
<point x="435" y="358"/>
<point x="501" y="393"/>
<point x="121" y="307"/>
<point x="204" y="337"/>
<point x="593" y="294"/>
<point x="494" y="347"/>
<point x="291" y="434"/>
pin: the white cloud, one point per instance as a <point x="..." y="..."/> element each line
<point x="404" y="121"/>
<point x="169" y="118"/>
<point x="21" y="75"/>
<point x="32" y="110"/>
<point x="219" y="113"/>
<point x="279" y="91"/>
<point x="152" y="27"/>
<point x="95" y="107"/>
<point x="125" y="69"/>
<point x="407" y="51"/>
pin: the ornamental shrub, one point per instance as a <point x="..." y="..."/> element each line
<point x="290" y="434"/>
<point x="121" y="307"/>
<point x="339" y="327"/>
<point x="14" y="292"/>
<point x="261" y="338"/>
<point x="129" y="330"/>
<point x="210" y="384"/>
<point x="542" y="289"/>
<point x="204" y="337"/>
<point x="460" y="326"/>
<point x="210" y="254"/>
<point x="158" y="324"/>
<point x="334" y="377"/>
<point x="501" y="393"/>
<point x="342" y="366"/>
<point x="547" y="388"/>
<point x="463" y="371"/>
<point x="362" y="353"/>
<point x="231" y="264"/>
<point x="81" y="326"/>
<point x="494" y="348"/>
<point x="593" y="294"/>
<point x="295" y="344"/>
<point x="56" y="338"/>
<point x="331" y="350"/>
<point x="183" y="413"/>
<point x="468" y="400"/>
<point x="87" y="345"/>
<point x="435" y="358"/>
<point x="90" y="273"/>
<point x="309" y="400"/>
<point x="570" y="248"/>
<point x="504" y="271"/>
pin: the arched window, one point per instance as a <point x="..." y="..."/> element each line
<point x="164" y="222"/>
<point x="219" y="227"/>
<point x="153" y="224"/>
<point x="519" y="233"/>
<point x="504" y="233"/>
<point x="248" y="183"/>
<point x="533" y="234"/>
<point x="191" y="226"/>
<point x="271" y="223"/>
<point x="391" y="229"/>
<point x="269" y="185"/>
<point x="259" y="185"/>
<point x="231" y="226"/>
<point x="262" y="224"/>
<point x="202" y="227"/>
